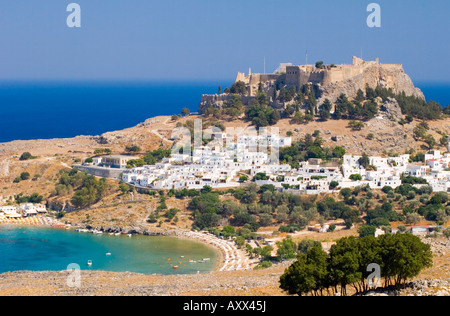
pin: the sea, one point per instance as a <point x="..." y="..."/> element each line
<point x="54" y="249"/>
<point x="58" y="109"/>
<point x="46" y="110"/>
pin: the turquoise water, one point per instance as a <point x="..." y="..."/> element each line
<point x="48" y="249"/>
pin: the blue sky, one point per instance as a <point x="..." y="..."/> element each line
<point x="214" y="39"/>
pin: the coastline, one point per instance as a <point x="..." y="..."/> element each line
<point x="41" y="221"/>
<point x="229" y="257"/>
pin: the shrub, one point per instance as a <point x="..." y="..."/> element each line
<point x="446" y="232"/>
<point x="356" y="125"/>
<point x="26" y="155"/>
<point x="263" y="265"/>
<point x="24" y="176"/>
<point x="355" y="177"/>
<point x="367" y="230"/>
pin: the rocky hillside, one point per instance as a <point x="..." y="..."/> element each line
<point x="373" y="76"/>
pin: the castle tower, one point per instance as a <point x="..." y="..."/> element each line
<point x="357" y="61"/>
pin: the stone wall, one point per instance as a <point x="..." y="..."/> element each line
<point x="102" y="172"/>
<point x="332" y="81"/>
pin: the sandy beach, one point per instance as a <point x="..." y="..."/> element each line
<point x="39" y="221"/>
<point x="232" y="258"/>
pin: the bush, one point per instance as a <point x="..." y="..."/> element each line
<point x="367" y="230"/>
<point x="185" y="111"/>
<point x="355" y="177"/>
<point x="33" y="198"/>
<point x="287" y="249"/>
<point x="26" y="156"/>
<point x="263" y="265"/>
<point x="356" y="125"/>
<point x="446" y="232"/>
<point x="133" y="149"/>
<point x="24" y="176"/>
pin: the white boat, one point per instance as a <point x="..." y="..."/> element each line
<point x="108" y="253"/>
<point x="206" y="259"/>
<point x="89" y="263"/>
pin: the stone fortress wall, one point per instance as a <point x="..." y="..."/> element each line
<point x="301" y="75"/>
<point x="331" y="80"/>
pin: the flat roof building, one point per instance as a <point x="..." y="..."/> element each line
<point x="117" y="161"/>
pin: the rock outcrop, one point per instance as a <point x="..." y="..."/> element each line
<point x="329" y="82"/>
<point x="392" y="110"/>
<point x="373" y="76"/>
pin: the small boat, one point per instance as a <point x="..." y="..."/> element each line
<point x="201" y="261"/>
<point x="192" y="261"/>
<point x="129" y="235"/>
<point x="182" y="257"/>
<point x="206" y="259"/>
<point x="175" y="267"/>
<point x="108" y="253"/>
<point x="89" y="263"/>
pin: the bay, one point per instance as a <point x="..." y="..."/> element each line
<point x="51" y="249"/>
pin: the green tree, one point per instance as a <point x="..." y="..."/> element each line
<point x="360" y="96"/>
<point x="133" y="149"/>
<point x="356" y="125"/>
<point x="306" y="244"/>
<point x="364" y="160"/>
<point x="355" y="177"/>
<point x="298" y="279"/>
<point x="404" y="256"/>
<point x="24" y="176"/>
<point x="26" y="156"/>
<point x="228" y="231"/>
<point x="287" y="249"/>
<point x="446" y="232"/>
<point x="239" y="88"/>
<point x="344" y="260"/>
<point x="367" y="230"/>
<point x="124" y="187"/>
<point x="185" y="111"/>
